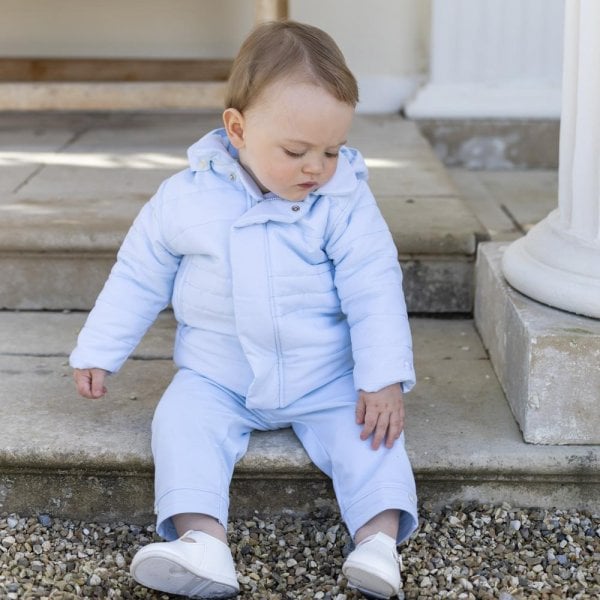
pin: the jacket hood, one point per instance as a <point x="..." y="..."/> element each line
<point x="215" y="152"/>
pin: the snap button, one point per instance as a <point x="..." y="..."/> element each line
<point x="232" y="177"/>
<point x="295" y="208"/>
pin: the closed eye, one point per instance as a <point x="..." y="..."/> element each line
<point x="294" y="154"/>
<point x="301" y="154"/>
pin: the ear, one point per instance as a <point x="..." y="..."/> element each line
<point x="234" y="123"/>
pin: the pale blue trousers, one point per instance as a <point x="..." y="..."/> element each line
<point x="200" y="430"/>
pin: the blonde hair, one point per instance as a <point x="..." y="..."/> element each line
<point x="280" y="49"/>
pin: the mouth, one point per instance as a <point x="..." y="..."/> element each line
<point x="308" y="185"/>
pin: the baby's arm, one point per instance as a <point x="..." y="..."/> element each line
<point x="90" y="382"/>
<point x="369" y="283"/>
<point x="382" y="414"/>
<point x="140" y="285"/>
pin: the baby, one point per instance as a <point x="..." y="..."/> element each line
<point x="286" y="287"/>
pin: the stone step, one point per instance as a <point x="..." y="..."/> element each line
<point x="71" y="183"/>
<point x="66" y="456"/>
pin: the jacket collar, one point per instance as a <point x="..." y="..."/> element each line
<point x="214" y="152"/>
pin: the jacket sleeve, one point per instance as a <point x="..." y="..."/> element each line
<point x="368" y="279"/>
<point x="139" y="286"/>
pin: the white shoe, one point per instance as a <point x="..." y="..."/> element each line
<point x="373" y="567"/>
<point x="196" y="565"/>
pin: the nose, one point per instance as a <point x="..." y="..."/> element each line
<point x="313" y="166"/>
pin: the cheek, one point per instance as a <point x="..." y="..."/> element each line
<point x="267" y="167"/>
<point x="331" y="167"/>
<point x="282" y="170"/>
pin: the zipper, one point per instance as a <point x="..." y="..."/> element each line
<point x="273" y="316"/>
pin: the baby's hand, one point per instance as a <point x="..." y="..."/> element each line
<point x="382" y="414"/>
<point x="90" y="382"/>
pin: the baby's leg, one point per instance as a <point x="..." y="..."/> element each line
<point x="199" y="522"/>
<point x="387" y="521"/>
<point x="199" y="431"/>
<point x="375" y="489"/>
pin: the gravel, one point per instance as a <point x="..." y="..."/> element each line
<point x="463" y="551"/>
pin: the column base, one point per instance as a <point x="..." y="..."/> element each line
<point x="555" y="268"/>
<point x="481" y="101"/>
<point x="546" y="360"/>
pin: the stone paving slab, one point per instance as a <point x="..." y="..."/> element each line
<point x="508" y="203"/>
<point x="95" y="186"/>
<point x="529" y="196"/>
<point x="55" y="219"/>
<point x="461" y="436"/>
<point x="37" y="333"/>
<point x="14" y="142"/>
<point x="45" y="424"/>
<point x="420" y="225"/>
<point x="489" y="208"/>
<point x="73" y="184"/>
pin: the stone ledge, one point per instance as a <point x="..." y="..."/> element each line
<point x="72" y="183"/>
<point x="66" y="456"/>
<point x="63" y="281"/>
<point x="546" y="359"/>
<point x="91" y="96"/>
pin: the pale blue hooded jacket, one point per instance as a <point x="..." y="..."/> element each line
<point x="273" y="298"/>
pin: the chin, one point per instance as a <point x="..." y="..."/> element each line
<point x="293" y="197"/>
<point x="302" y="194"/>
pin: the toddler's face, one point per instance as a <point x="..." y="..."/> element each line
<point x="289" y="139"/>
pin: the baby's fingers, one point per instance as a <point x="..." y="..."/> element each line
<point x="380" y="431"/>
<point x="83" y="383"/>
<point x="396" y="425"/>
<point x="361" y="409"/>
<point x="89" y="382"/>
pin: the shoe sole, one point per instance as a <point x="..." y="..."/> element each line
<point x="167" y="575"/>
<point x="369" y="582"/>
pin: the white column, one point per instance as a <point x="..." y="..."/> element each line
<point x="493" y="59"/>
<point x="558" y="261"/>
